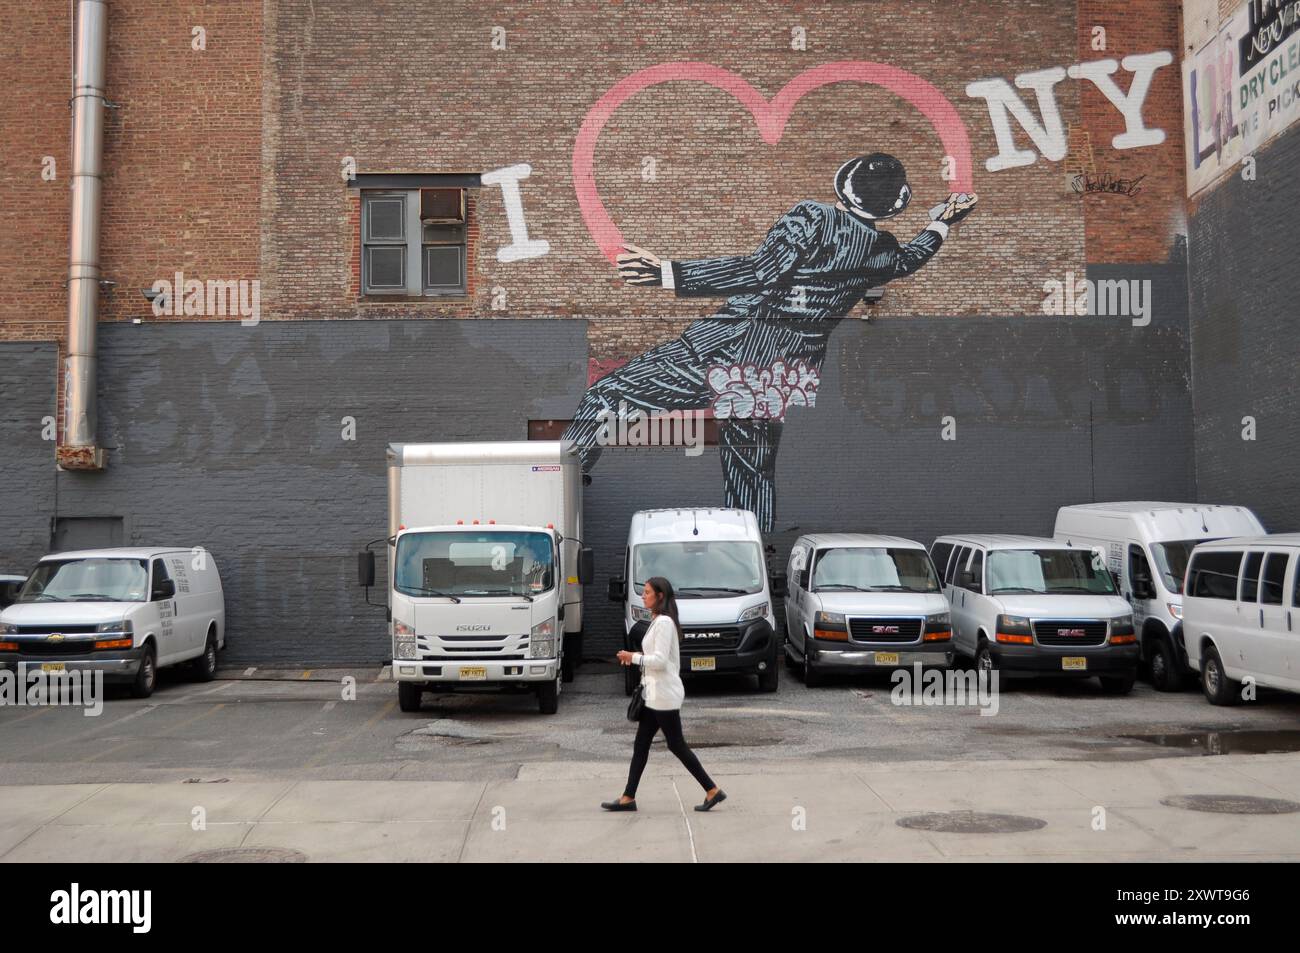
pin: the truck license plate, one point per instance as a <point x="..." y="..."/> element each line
<point x="886" y="658"/>
<point x="473" y="673"/>
<point x="1074" y="663"/>
<point x="704" y="664"/>
<point x="53" y="667"/>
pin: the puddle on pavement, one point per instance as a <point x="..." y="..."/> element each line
<point x="1230" y="741"/>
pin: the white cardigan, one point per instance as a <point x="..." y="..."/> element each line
<point x="660" y="661"/>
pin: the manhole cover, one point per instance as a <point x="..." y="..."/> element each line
<point x="246" y="855"/>
<point x="971" y="822"/>
<point x="1231" y="804"/>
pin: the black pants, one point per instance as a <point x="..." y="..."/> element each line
<point x="671" y="723"/>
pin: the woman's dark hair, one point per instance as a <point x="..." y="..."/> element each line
<point x="667" y="601"/>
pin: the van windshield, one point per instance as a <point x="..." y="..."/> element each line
<point x="87" y="580"/>
<point x="701" y="569"/>
<point x="872" y="569"/>
<point x="1048" y="571"/>
<point x="1171" y="561"/>
<point x="474" y="564"/>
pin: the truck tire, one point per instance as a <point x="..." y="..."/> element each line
<point x="146" y="679"/>
<point x="205" y="666"/>
<point x="811" y="677"/>
<point x="1117" y="684"/>
<point x="769" y="680"/>
<point x="408" y="696"/>
<point x="1166" y="670"/>
<point x="548" y="696"/>
<point x="1218" y="687"/>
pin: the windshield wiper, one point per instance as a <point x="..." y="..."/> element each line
<point x="838" y="585"/>
<point x="739" y="592"/>
<point x="91" y="597"/>
<point x="420" y="590"/>
<point x="497" y="592"/>
<point x="1018" y="590"/>
<point x="1083" y="589"/>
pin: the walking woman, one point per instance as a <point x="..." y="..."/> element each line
<point x="661" y="684"/>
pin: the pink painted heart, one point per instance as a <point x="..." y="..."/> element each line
<point x="771" y="117"/>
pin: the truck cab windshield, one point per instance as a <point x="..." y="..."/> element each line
<point x="464" y="564"/>
<point x="704" y="569"/>
<point x="1048" y="572"/>
<point x="873" y="569"/>
<point x="87" y="580"/>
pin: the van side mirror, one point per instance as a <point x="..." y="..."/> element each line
<point x="366" y="568"/>
<point x="617" y="589"/>
<point x="586" y="566"/>
<point x="163" y="589"/>
<point x="778" y="584"/>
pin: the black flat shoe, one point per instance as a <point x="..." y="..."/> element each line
<point x="709" y="802"/>
<point x="618" y="805"/>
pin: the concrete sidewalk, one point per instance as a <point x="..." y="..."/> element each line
<point x="776" y="811"/>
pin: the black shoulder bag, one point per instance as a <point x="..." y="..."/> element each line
<point x="637" y="704"/>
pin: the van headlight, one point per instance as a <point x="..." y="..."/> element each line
<point x="1175" y="610"/>
<point x="541" y="640"/>
<point x="125" y="627"/>
<point x="8" y="628"/>
<point x="404" y="646"/>
<point x="754" y="612"/>
<point x="641" y="614"/>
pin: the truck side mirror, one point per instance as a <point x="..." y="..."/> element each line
<point x="617" y="589"/>
<point x="777" y="583"/>
<point x="586" y="566"/>
<point x="366" y="568"/>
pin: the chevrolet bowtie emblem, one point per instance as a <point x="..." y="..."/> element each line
<point x="54" y="637"/>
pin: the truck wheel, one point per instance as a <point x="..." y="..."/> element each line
<point x="770" y="678"/>
<point x="811" y="677"/>
<point x="147" y="677"/>
<point x="1118" y="684"/>
<point x="1166" y="671"/>
<point x="205" y="666"/>
<point x="408" y="696"/>
<point x="548" y="696"/>
<point x="1218" y="687"/>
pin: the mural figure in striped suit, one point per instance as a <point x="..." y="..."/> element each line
<point x="762" y="351"/>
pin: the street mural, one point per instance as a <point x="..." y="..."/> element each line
<point x="760" y="354"/>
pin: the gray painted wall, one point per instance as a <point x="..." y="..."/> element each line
<point x="1245" y="298"/>
<point x="229" y="437"/>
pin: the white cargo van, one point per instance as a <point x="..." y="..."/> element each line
<point x="1241" y="614"/>
<point x="485" y="567"/>
<point x="126" y="612"/>
<point x="1147" y="546"/>
<point x="1024" y="605"/>
<point x="857" y="602"/>
<point x="715" y="561"/>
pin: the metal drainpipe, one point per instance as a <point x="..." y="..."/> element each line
<point x="80" y="450"/>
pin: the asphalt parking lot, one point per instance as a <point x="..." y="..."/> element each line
<point x="297" y="725"/>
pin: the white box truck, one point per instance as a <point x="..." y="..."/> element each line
<point x="485" y="567"/>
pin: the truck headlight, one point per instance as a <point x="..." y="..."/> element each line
<point x="541" y="640"/>
<point x="938" y="627"/>
<point x="1121" y="630"/>
<point x="404" y="646"/>
<point x="754" y="612"/>
<point x="641" y="614"/>
<point x="125" y="626"/>
<point x="1014" y="629"/>
<point x="830" y="626"/>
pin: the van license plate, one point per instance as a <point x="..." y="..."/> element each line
<point x="886" y="658"/>
<point x="53" y="667"/>
<point x="704" y="665"/>
<point x="1074" y="663"/>
<point x="473" y="673"/>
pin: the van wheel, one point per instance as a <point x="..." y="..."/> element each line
<point x="811" y="677"/>
<point x="408" y="696"/>
<point x="548" y="696"/>
<point x="1118" y="684"/>
<point x="205" y="666"/>
<point x="1166" y="674"/>
<point x="986" y="664"/>
<point x="1218" y="687"/>
<point x="770" y="678"/>
<point x="146" y="679"/>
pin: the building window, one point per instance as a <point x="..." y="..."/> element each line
<point x="413" y="242"/>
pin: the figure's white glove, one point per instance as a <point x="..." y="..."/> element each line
<point x="957" y="207"/>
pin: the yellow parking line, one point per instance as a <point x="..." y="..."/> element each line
<point x="315" y="759"/>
